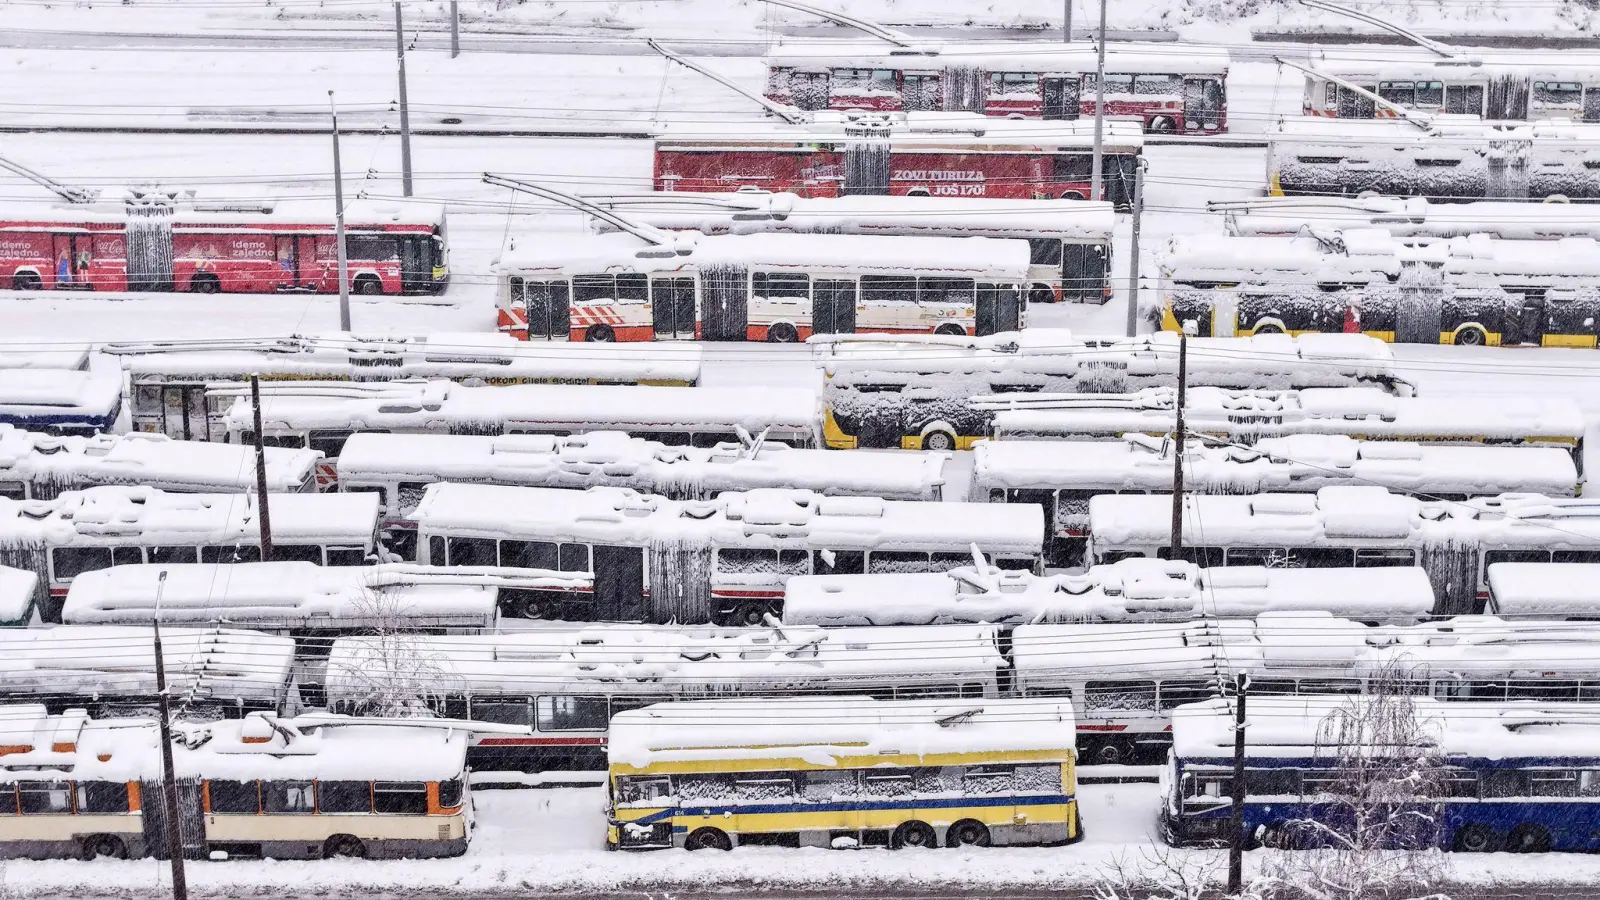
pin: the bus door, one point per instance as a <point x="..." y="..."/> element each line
<point x="295" y="254"/>
<point x="919" y="92"/>
<point x="1062" y="97"/>
<point x="1085" y="271"/>
<point x="672" y="310"/>
<point x="809" y="90"/>
<point x="1202" y="104"/>
<point x="183" y="411"/>
<point x="1530" y="318"/>
<point x="999" y="308"/>
<point x="833" y="306"/>
<point x="416" y="263"/>
<point x="549" y="305"/>
<point x="69" y="261"/>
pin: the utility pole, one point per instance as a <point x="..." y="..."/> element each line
<point x="1096" y="181"/>
<point x="261" y="471"/>
<point x="1066" y="28"/>
<point x="405" y="107"/>
<point x="338" y="227"/>
<point x="1134" y="267"/>
<point x="455" y="29"/>
<point x="169" y="777"/>
<point x="1241" y="689"/>
<point x="1177" y="451"/>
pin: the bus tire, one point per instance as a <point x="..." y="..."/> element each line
<point x="1116" y="753"/>
<point x="368" y="285"/>
<point x="344" y="846"/>
<point x="967" y="833"/>
<point x="949" y="328"/>
<point x="1073" y="195"/>
<point x="599" y="334"/>
<point x="782" y="333"/>
<point x="708" y="839"/>
<point x="750" y="613"/>
<point x="1476" y="837"/>
<point x="205" y="284"/>
<point x="1267" y="328"/>
<point x="1162" y="125"/>
<point x="526" y="607"/>
<point x="1471" y="336"/>
<point x="1528" y="838"/>
<point x="26" y="281"/>
<point x="913" y="834"/>
<point x="103" y="846"/>
<point x="941" y="440"/>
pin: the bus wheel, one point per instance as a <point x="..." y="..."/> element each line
<point x="1113" y="753"/>
<point x="1268" y="328"/>
<point x="26" y="281"/>
<point x="1528" y="838"/>
<point x="942" y="441"/>
<point x="750" y="613"/>
<point x="1471" y="336"/>
<point x="950" y="329"/>
<point x="1476" y="837"/>
<point x="205" y="284"/>
<point x="782" y="333"/>
<point x="103" y="846"/>
<point x="600" y="334"/>
<point x="344" y="846"/>
<point x="708" y="839"/>
<point x="1072" y="195"/>
<point x="526" y="607"/>
<point x="1163" y="125"/>
<point x="368" y="285"/>
<point x="913" y="834"/>
<point x="967" y="833"/>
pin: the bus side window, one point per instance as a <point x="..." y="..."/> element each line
<point x="330" y="443"/>
<point x="405" y="798"/>
<point x="101" y="797"/>
<point x="347" y="556"/>
<point x="158" y="555"/>
<point x="467" y="551"/>
<point x="841" y="562"/>
<point x="436" y="553"/>
<point x="344" y="796"/>
<point x="1119" y="696"/>
<point x="14" y="490"/>
<point x="68" y="563"/>
<point x="238" y="553"/>
<point x="311" y="553"/>
<point x="567" y="713"/>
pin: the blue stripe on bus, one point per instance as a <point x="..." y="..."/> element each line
<point x="844" y="806"/>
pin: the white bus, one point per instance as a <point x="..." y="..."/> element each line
<point x="312" y="787"/>
<point x="1407" y="217"/>
<point x="1492" y="85"/>
<point x="917" y="392"/>
<point x="566" y="684"/>
<point x="1476" y="290"/>
<point x="110" y="669"/>
<point x="1246" y="417"/>
<point x="1062" y="476"/>
<point x="168" y="380"/>
<point x="778" y="288"/>
<point x="35" y="466"/>
<point x="96" y="528"/>
<point x="1361" y="526"/>
<point x="1445" y="161"/>
<point x="399" y="467"/>
<point x="1069" y="241"/>
<point x="323" y="416"/>
<point x="724" y="559"/>
<point x="1548" y="590"/>
<point x="1133" y="590"/>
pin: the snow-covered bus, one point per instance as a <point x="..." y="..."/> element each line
<point x="311" y="787"/>
<point x="1132" y="590"/>
<point x="1246" y="417"/>
<point x="168" y="380"/>
<point x="323" y="416"/>
<point x="777" y="288"/>
<point x="1069" y="241"/>
<point x="932" y="154"/>
<point x="1505" y="85"/>
<point x="1551" y="590"/>
<point x="1362" y="526"/>
<point x="566" y="684"/>
<point x="1062" y="476"/>
<point x="96" y="528"/>
<point x="36" y="466"/>
<point x="60" y="401"/>
<point x="1474" y="290"/>
<point x="110" y="670"/>
<point x="1444" y="161"/>
<point x="1515" y="777"/>
<point x="918" y="392"/>
<point x="1170" y="88"/>
<point x="723" y="560"/>
<point x="1408" y="217"/>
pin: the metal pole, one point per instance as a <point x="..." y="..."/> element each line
<point x="1177" y="451"/>
<point x="338" y="224"/>
<point x="1241" y="689"/>
<point x="455" y="29"/>
<point x="1134" y="267"/>
<point x="261" y="471"/>
<point x="405" y="107"/>
<point x="1066" y="28"/>
<point x="169" y="777"/>
<point x="1099" y="108"/>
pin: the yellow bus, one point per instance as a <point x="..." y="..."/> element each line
<point x="843" y="772"/>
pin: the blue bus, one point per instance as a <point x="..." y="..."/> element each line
<point x="1516" y="776"/>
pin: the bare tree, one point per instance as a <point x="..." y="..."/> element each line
<point x="1164" y="873"/>
<point x="1374" y="816"/>
<point x="391" y="673"/>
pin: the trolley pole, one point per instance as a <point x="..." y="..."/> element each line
<point x="1241" y="690"/>
<point x="1096" y="181"/>
<point x="405" y="107"/>
<point x="338" y="225"/>
<point x="169" y="777"/>
<point x="1134" y="267"/>
<point x="261" y="471"/>
<point x="1177" y="450"/>
<point x="1066" y="28"/>
<point x="455" y="29"/>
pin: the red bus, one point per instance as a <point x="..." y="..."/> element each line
<point x="1170" y="88"/>
<point x="393" y="247"/>
<point x="913" y="154"/>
